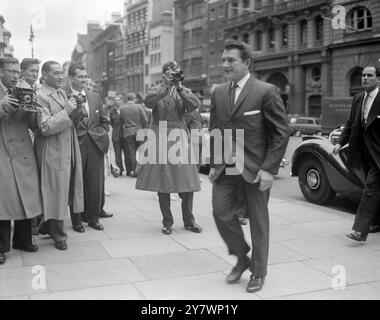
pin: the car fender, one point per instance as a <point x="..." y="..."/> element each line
<point x="339" y="176"/>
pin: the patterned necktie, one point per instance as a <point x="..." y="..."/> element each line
<point x="233" y="92"/>
<point x="364" y="109"/>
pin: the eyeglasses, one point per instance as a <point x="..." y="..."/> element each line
<point x="12" y="71"/>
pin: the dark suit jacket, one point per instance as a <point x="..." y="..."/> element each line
<point x="116" y="124"/>
<point x="193" y="120"/>
<point x="260" y="112"/>
<point x="134" y="118"/>
<point x="355" y="135"/>
<point x="97" y="126"/>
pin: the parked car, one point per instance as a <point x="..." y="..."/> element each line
<point x="305" y="125"/>
<point x="322" y="174"/>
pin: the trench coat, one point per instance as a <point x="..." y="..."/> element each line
<point x="20" y="196"/>
<point x="166" y="176"/>
<point x="58" y="157"/>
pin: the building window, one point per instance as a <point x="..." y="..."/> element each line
<point x="196" y="38"/>
<point x="271" y="38"/>
<point x="212" y="35"/>
<point x="212" y="14"/>
<point x="258" y="4"/>
<point x="316" y="74"/>
<point x="234" y="8"/>
<point x="196" y="67"/>
<point x="318" y="28"/>
<point x="186" y="39"/>
<point x="221" y="35"/>
<point x="188" y="12"/>
<point x="246" y="38"/>
<point x="303" y="32"/>
<point x="197" y="10"/>
<point x="258" y="40"/>
<point x="285" y="34"/>
<point x="359" y="19"/>
<point x="221" y="12"/>
<point x="245" y="4"/>
<point x="356" y="81"/>
<point x="315" y="106"/>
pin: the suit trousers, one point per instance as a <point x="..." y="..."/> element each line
<point x="130" y="148"/>
<point x="93" y="179"/>
<point x="22" y="234"/>
<point x="118" y="149"/>
<point x="55" y="229"/>
<point x="186" y="205"/>
<point x="370" y="201"/>
<point x="225" y="196"/>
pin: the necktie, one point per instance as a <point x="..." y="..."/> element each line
<point x="233" y="91"/>
<point x="364" y="109"/>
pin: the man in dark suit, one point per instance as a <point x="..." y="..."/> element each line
<point x="92" y="128"/>
<point x="134" y="118"/>
<point x="117" y="134"/>
<point x="362" y="132"/>
<point x="248" y="105"/>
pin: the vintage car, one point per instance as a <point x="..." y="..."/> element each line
<point x="305" y="125"/>
<point x="322" y="174"/>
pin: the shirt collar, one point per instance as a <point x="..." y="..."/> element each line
<point x="241" y="83"/>
<point x="75" y="92"/>
<point x="373" y="93"/>
<point x="4" y="87"/>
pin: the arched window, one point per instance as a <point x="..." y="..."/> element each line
<point x="356" y="81"/>
<point x="359" y="19"/>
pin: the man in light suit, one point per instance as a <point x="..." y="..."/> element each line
<point x="92" y="128"/>
<point x="362" y="132"/>
<point x="256" y="107"/>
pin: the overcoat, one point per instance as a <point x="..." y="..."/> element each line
<point x="20" y="196"/>
<point x="169" y="108"/>
<point x="58" y="156"/>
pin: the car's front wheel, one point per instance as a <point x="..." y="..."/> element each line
<point x="314" y="183"/>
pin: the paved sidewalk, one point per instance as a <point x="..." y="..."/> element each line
<point x="132" y="259"/>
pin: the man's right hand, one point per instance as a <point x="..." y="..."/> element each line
<point x="70" y="105"/>
<point x="9" y="104"/>
<point x="337" y="148"/>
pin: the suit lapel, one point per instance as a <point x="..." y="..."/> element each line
<point x="375" y="110"/>
<point x="57" y="98"/>
<point x="243" y="94"/>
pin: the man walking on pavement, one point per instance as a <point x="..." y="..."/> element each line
<point x="92" y="128"/>
<point x="20" y="197"/>
<point x="134" y="118"/>
<point x="256" y="107"/>
<point x="117" y="133"/>
<point x="362" y="132"/>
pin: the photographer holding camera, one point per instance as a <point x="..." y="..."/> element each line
<point x="169" y="105"/>
<point x="20" y="199"/>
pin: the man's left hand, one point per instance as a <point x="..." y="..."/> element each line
<point x="265" y="180"/>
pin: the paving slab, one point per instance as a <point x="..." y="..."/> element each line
<point x="14" y="259"/>
<point x="80" y="275"/>
<point x="210" y="287"/>
<point x="131" y="230"/>
<point x="359" y="268"/>
<point x="141" y="246"/>
<point x="80" y="251"/>
<point x="202" y="240"/>
<point x="113" y="292"/>
<point x="178" y="264"/>
<point x="17" y="282"/>
<point x="326" y="246"/>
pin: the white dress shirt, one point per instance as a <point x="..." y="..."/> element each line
<point x="240" y="86"/>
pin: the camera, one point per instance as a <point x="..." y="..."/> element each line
<point x="80" y="100"/>
<point x="26" y="98"/>
<point x="178" y="76"/>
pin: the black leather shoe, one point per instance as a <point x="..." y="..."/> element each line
<point x="61" y="245"/>
<point x="357" y="236"/>
<point x="133" y="174"/>
<point x="167" y="230"/>
<point x="255" y="284"/>
<point x="104" y="214"/>
<point x="238" y="270"/>
<point x="194" y="228"/>
<point x="29" y="248"/>
<point x="79" y="228"/>
<point x="374" y="229"/>
<point x="96" y="225"/>
<point x="2" y="258"/>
